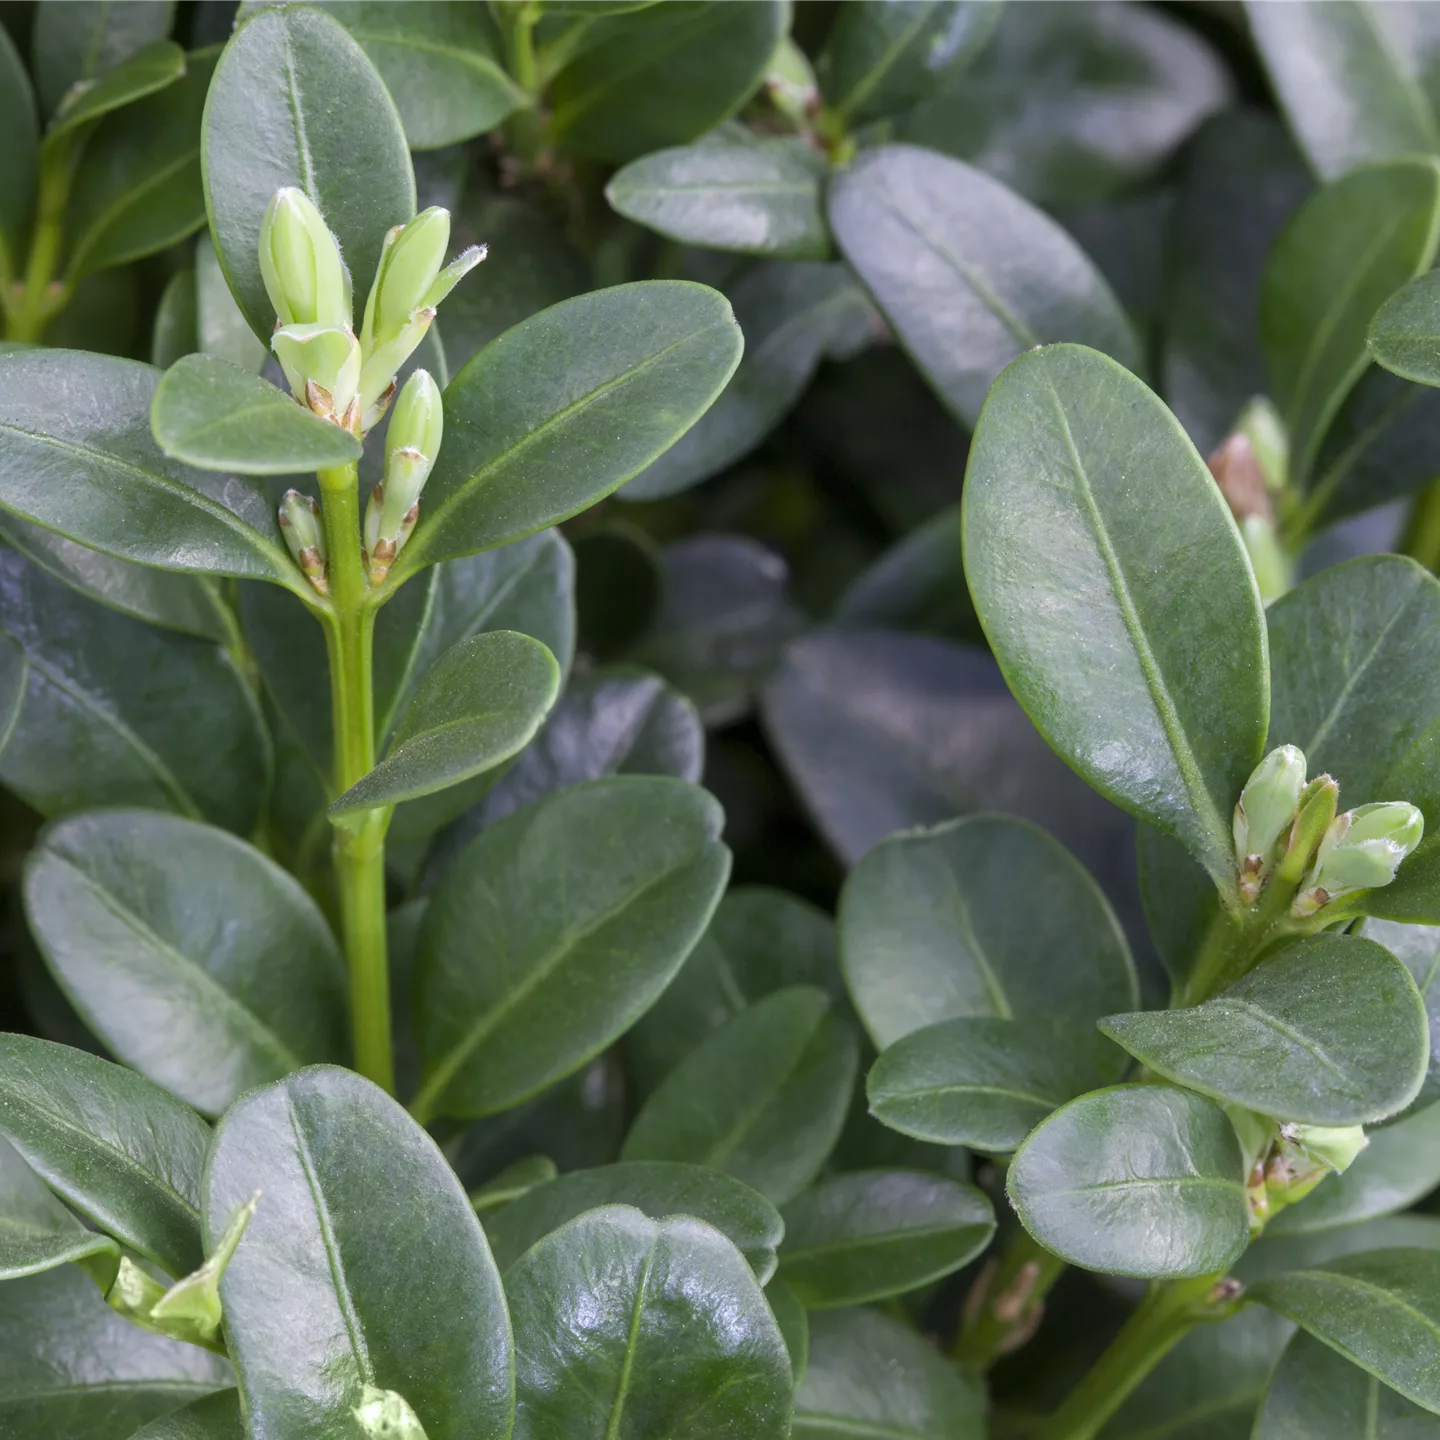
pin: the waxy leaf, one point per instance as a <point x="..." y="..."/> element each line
<point x="364" y="1266"/>
<point x="968" y="273"/>
<point x="1417" y="947"/>
<point x="1141" y="1180"/>
<point x="296" y="102"/>
<point x="794" y="1324"/>
<point x="1380" y="1309"/>
<point x="38" y="1233"/>
<point x="213" y="415"/>
<point x="641" y="867"/>
<point x="480" y="703"/>
<point x="1101" y="595"/>
<point x="762" y="1099"/>
<point x="656" y="1187"/>
<point x="565" y="407"/>
<point x="216" y="1417"/>
<point x="135" y="914"/>
<point x="628" y="1328"/>
<point x="966" y="919"/>
<point x="77" y="40"/>
<point x="1405" y="331"/>
<point x="153" y="68"/>
<point x="987" y="1081"/>
<point x="220" y="328"/>
<point x="874" y="1233"/>
<point x="1329" y="1031"/>
<point x="119" y="1150"/>
<point x="758" y="199"/>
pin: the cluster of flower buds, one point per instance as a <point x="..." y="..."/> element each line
<point x="411" y="445"/>
<point x="300" y="525"/>
<point x="1287" y="827"/>
<point x="1290" y="1160"/>
<point x="345" y="378"/>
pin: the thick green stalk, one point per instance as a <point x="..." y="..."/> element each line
<point x="37" y="298"/>
<point x="1007" y="1302"/>
<point x="1421" y="537"/>
<point x="359" y="843"/>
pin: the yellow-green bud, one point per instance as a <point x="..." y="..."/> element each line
<point x="300" y="525"/>
<point x="417" y="426"/>
<point x="1362" y="850"/>
<point x="322" y="364"/>
<point x="1265" y="811"/>
<point x="303" y="270"/>
<point x="790" y="82"/>
<point x="1261" y="424"/>
<point x="386" y="1415"/>
<point x="1304" y="1155"/>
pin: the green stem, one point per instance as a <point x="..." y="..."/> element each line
<point x="1421" y="538"/>
<point x="359" y="843"/>
<point x="35" y="300"/>
<point x="526" y="128"/>
<point x="1007" y="1302"/>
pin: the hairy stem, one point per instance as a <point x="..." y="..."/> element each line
<point x="359" y="842"/>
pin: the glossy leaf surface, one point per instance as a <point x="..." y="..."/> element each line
<point x="1404" y="331"/>
<point x="216" y="1417"/>
<point x="1417" y="947"/>
<point x="38" y="1233"/>
<point x="76" y="42"/>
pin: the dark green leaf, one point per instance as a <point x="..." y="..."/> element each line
<point x="38" y="1233"/>
<point x="762" y="1099"/>
<point x="364" y="1266"/>
<point x="658" y="1188"/>
<point x="116" y="1148"/>
<point x="136" y="915"/>
<point x="1180" y="903"/>
<point x="146" y="72"/>
<point x="1380" y="1309"/>
<point x="80" y="39"/>
<point x="174" y="333"/>
<point x="522" y="1177"/>
<point x="618" y="579"/>
<point x="565" y="407"/>
<point x="874" y="1233"/>
<point x="627" y="1326"/>
<point x="14" y="677"/>
<point x="295" y="101"/>
<point x="1342" y="255"/>
<point x="1414" y="894"/>
<point x="794" y="1326"/>
<point x="966" y="920"/>
<point x="1141" y="1180"/>
<point x="641" y="869"/>
<point x="1417" y="947"/>
<point x="1404" y="331"/>
<point x="1330" y="1031"/>
<point x="663" y="75"/>
<point x="221" y="329"/>
<point x="213" y="415"/>
<point x="19" y="169"/>
<point x="968" y="273"/>
<point x="756" y="199"/>
<point x="1274" y="1254"/>
<point x="1101" y="597"/>
<point x="216" y="1417"/>
<point x="984" y="1081"/>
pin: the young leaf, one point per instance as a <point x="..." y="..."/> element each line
<point x="966" y="919"/>
<point x="760" y="199"/>
<point x="873" y="1233"/>
<point x="295" y="101"/>
<point x="216" y="1417"/>
<point x="658" y="1188"/>
<point x="77" y="40"/>
<point x="627" y="1325"/>
<point x="136" y="916"/>
<point x="364" y="1264"/>
<point x="148" y="71"/>
<point x="1404" y="331"/>
<point x="38" y="1233"/>
<point x="1380" y="1310"/>
<point x="1343" y="254"/>
<point x="762" y="1099"/>
<point x="478" y="705"/>
<point x="119" y="1150"/>
<point x="1329" y="1031"/>
<point x="565" y="407"/>
<point x="1141" y="1180"/>
<point x="966" y="295"/>
<point x="641" y="867"/>
<point x="19" y="169"/>
<point x="514" y="1181"/>
<point x="1101" y="596"/>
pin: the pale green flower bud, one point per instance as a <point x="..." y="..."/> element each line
<point x="1265" y="811"/>
<point x="1362" y="850"/>
<point x="381" y="367"/>
<point x="1304" y="1155"/>
<point x="412" y="444"/>
<point x="790" y="82"/>
<point x="1335" y="1146"/>
<point x="323" y="365"/>
<point x="300" y="525"/>
<point x="386" y="1415"/>
<point x="303" y="270"/>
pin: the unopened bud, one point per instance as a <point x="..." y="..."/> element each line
<point x="1318" y="802"/>
<point x="1262" y="425"/>
<point x="386" y="1415"/>
<point x="303" y="270"/>
<point x="790" y="82"/>
<point x="1265" y="810"/>
<point x="300" y="525"/>
<point x="1304" y="1155"/>
<point x="322" y="364"/>
<point x="382" y="364"/>
<point x="412" y="444"/>
<point x="1362" y="850"/>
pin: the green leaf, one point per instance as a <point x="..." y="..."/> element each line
<point x="641" y="867"/>
<point x="146" y="72"/>
<point x="119" y="713"/>
<point x="882" y="58"/>
<point x="1141" y="1180"/>
<point x="1404" y="331"/>
<point x="1312" y="1396"/>
<point x="1341" y="72"/>
<point x="70" y="1366"/>
<point x="794" y="1326"/>
<point x="1414" y="894"/>
<point x="874" y="1233"/>
<point x="478" y="705"/>
<point x="984" y="1081"/>
<point x="658" y="1188"/>
<point x="136" y="916"/>
<point x="221" y="329"/>
<point x="77" y="456"/>
<point x="1329" y="1031"/>
<point x="439" y="63"/>
<point x="1380" y="1310"/>
<point x="119" y="1150"/>
<point x="38" y="1233"/>
<point x="1101" y="598"/>
<point x="19" y="170"/>
<point x="966" y="919"/>
<point x="871" y="1375"/>
<point x="755" y="199"/>
<point x="792" y="316"/>
<point x="364" y="1265"/>
<point x="1180" y="901"/>
<point x="1274" y="1254"/>
<point x="216" y="1417"/>
<point x="762" y="1099"/>
<point x="295" y="101"/>
<point x="1342" y="255"/>
<point x="213" y="415"/>
<point x="78" y="40"/>
<point x="619" y="577"/>
<point x="966" y="295"/>
<point x="514" y="1181"/>
<point x="173" y="334"/>
<point x="1417" y="947"/>
<point x="662" y="76"/>
<point x="565" y="407"/>
<point x="630" y="1326"/>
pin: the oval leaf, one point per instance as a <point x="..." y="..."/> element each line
<point x="38" y="1233"/>
<point x="216" y="1417"/>
<point x="1417" y="947"/>
<point x="153" y="68"/>
<point x="1406" y="329"/>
